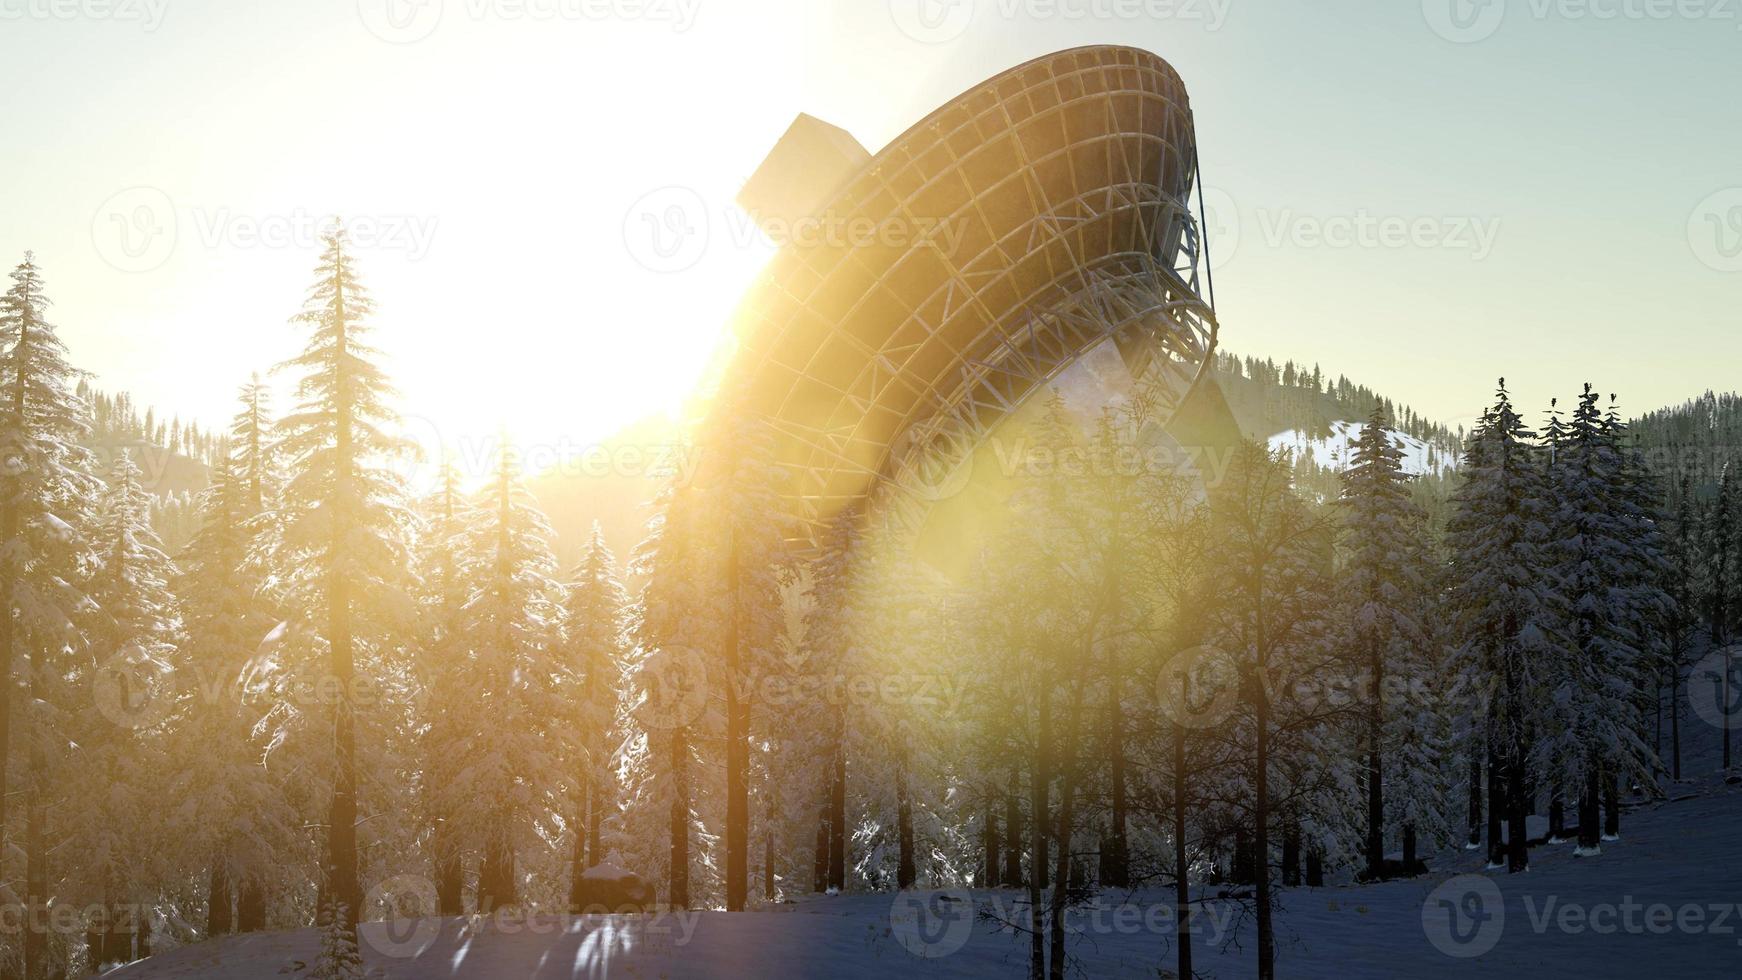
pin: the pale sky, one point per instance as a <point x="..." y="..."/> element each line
<point x="1419" y="196"/>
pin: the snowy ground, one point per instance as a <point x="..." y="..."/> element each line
<point x="1661" y="902"/>
<point x="1334" y="452"/>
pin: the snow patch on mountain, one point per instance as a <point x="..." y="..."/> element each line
<point x="1335" y="451"/>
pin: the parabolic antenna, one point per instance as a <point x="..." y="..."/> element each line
<point x="921" y="295"/>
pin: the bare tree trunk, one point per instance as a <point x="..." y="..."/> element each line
<point x="820" y="861"/>
<point x="497" y="887"/>
<point x="36" y="952"/>
<point x="218" y="919"/>
<point x="1261" y="841"/>
<point x="1067" y="768"/>
<point x="989" y="829"/>
<point x="1040" y="791"/>
<point x="1611" y="804"/>
<point x="1117" y="873"/>
<point x="1181" y="866"/>
<point x="737" y="751"/>
<point x="1475" y="837"/>
<point x="1496" y="801"/>
<point x="1589" y="814"/>
<point x="680" y="822"/>
<point x="1517" y="847"/>
<point x="838" y="809"/>
<point x="1375" y="769"/>
<point x="1675" y="715"/>
<point x="577" y="853"/>
<point x="1013" y="829"/>
<point x="595" y="817"/>
<point x="1036" y="852"/>
<point x="1291" y="852"/>
<point x="449" y="874"/>
<point x="905" y="872"/>
<point x="251" y="904"/>
<point x="768" y="857"/>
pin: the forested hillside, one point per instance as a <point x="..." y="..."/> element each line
<point x="366" y="703"/>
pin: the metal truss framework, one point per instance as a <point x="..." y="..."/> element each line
<point x="1055" y="204"/>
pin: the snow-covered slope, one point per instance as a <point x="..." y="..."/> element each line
<point x="1661" y="902"/>
<point x="1333" y="452"/>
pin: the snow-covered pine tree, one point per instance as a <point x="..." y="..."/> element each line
<point x="132" y="632"/>
<point x="1387" y="585"/>
<point x="668" y="718"/>
<point x="342" y="542"/>
<point x="1507" y="605"/>
<point x="1274" y="555"/>
<point x="1723" y="569"/>
<point x="833" y="614"/>
<point x="512" y="750"/>
<point x="754" y="567"/>
<point x="254" y="458"/>
<point x="444" y="698"/>
<point x="45" y="489"/>
<point x="1649" y="613"/>
<point x="597" y="650"/>
<point x="1681" y="543"/>
<point x="225" y="620"/>
<point x="893" y="740"/>
<point x="226" y="615"/>
<point x="1594" y="728"/>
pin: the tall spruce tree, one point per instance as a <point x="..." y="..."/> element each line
<point x="1387" y="587"/>
<point x="753" y="567"/>
<point x="1508" y="609"/>
<point x="132" y="631"/>
<point x="45" y="490"/>
<point x="597" y="650"/>
<point x="227" y="614"/>
<point x="443" y="652"/>
<point x="343" y="539"/>
<point x="513" y="743"/>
